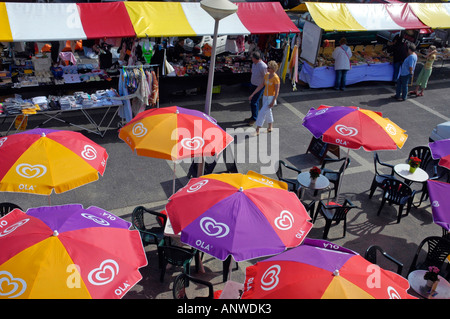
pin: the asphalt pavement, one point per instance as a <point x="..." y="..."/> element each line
<point x="132" y="180"/>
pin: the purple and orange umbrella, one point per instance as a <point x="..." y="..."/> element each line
<point x="242" y="215"/>
<point x="68" y="252"/>
<point x="353" y="128"/>
<point x="319" y="269"/>
<point x="441" y="150"/>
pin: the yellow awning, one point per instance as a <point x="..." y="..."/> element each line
<point x="5" y="31"/>
<point x="333" y="16"/>
<point x="435" y="15"/>
<point x="158" y="19"/>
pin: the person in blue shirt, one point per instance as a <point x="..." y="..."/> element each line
<point x="406" y="73"/>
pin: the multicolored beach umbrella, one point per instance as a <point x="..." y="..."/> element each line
<point x="41" y="160"/>
<point x="246" y="216"/>
<point x="174" y="133"/>
<point x="440" y="202"/>
<point x="353" y="127"/>
<point x="319" y="269"/>
<point x="67" y="252"/>
<point x="441" y="150"/>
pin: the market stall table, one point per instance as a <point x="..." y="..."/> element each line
<point x="323" y="77"/>
<point x="20" y="119"/>
<point x="419" y="285"/>
<point x="321" y="183"/>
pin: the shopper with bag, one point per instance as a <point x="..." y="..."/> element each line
<point x="341" y="56"/>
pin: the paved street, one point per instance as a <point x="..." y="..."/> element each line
<point x="131" y="180"/>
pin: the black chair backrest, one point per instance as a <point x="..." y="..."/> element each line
<point x="438" y="250"/>
<point x="7" y="207"/>
<point x="175" y="255"/>
<point x="182" y="281"/>
<point x="137" y="217"/>
<point x="279" y="171"/>
<point x="422" y="152"/>
<point x="371" y="255"/>
<point x="344" y="165"/>
<point x="378" y="164"/>
<point x="340" y="211"/>
<point x="396" y="190"/>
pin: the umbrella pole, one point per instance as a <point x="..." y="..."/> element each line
<point x="343" y="174"/>
<point x="174" y="176"/>
<point x="49" y="201"/>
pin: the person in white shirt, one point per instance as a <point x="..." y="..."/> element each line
<point x="341" y="56"/>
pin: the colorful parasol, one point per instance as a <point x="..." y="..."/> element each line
<point x="441" y="150"/>
<point x="319" y="269"/>
<point x="41" y="160"/>
<point x="353" y="127"/>
<point x="174" y="133"/>
<point x="440" y="202"/>
<point x="246" y="216"/>
<point x="68" y="252"/>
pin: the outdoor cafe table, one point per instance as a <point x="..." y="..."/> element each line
<point x="321" y="183"/>
<point x="419" y="285"/>
<point x="419" y="176"/>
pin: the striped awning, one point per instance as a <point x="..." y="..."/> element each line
<point x="72" y="21"/>
<point x="379" y="16"/>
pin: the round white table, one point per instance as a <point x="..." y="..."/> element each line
<point x="419" y="175"/>
<point x="419" y="285"/>
<point x="304" y="180"/>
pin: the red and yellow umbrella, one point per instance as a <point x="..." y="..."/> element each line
<point x="318" y="269"/>
<point x="41" y="160"/>
<point x="174" y="133"/>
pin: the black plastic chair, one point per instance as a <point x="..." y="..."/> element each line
<point x="174" y="255"/>
<point x="153" y="235"/>
<point x="399" y="193"/>
<point x="7" y="207"/>
<point x="379" y="177"/>
<point x="438" y="249"/>
<point x="182" y="281"/>
<point x="436" y="176"/>
<point x="372" y="252"/>
<point x="293" y="184"/>
<point x="333" y="212"/>
<point x="334" y="176"/>
<point x="310" y="208"/>
<point x="422" y="152"/>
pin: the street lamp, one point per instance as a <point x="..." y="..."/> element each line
<point x="217" y="9"/>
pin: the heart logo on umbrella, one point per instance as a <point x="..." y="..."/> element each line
<point x="214" y="229"/>
<point x="192" y="143"/>
<point x="31" y="171"/>
<point x="13" y="227"/>
<point x="195" y="187"/>
<point x="2" y="140"/>
<point x="270" y="278"/>
<point x="391" y="129"/>
<point x="95" y="219"/>
<point x="105" y="273"/>
<point x="284" y="221"/>
<point x="89" y="153"/>
<point x="346" y="130"/>
<point x="435" y="203"/>
<point x="139" y="130"/>
<point x="10" y="286"/>
<point x="393" y="294"/>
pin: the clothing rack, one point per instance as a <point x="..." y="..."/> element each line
<point x="145" y="66"/>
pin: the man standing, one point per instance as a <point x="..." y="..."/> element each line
<point x="259" y="69"/>
<point x="406" y="73"/>
<point x="341" y="56"/>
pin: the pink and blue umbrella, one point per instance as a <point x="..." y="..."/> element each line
<point x="440" y="202"/>
<point x="441" y="150"/>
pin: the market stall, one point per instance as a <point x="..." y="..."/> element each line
<point x="67" y="48"/>
<point x="369" y="62"/>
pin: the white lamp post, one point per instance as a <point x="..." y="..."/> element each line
<point x="218" y="9"/>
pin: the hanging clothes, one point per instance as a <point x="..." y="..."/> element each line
<point x="155" y="90"/>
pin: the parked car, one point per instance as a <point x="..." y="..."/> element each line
<point x="440" y="132"/>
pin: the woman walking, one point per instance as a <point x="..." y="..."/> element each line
<point x="424" y="75"/>
<point x="271" y="86"/>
